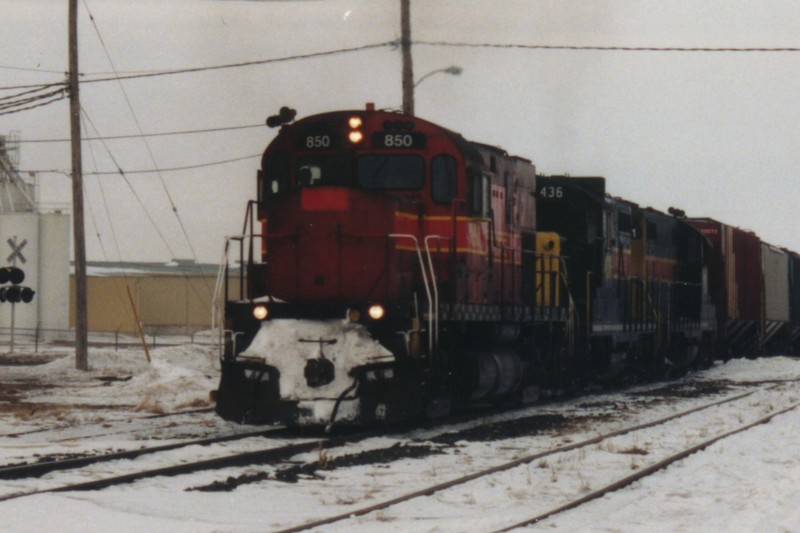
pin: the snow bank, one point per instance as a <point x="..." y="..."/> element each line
<point x="178" y="377"/>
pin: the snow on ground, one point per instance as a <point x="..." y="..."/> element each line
<point x="749" y="482"/>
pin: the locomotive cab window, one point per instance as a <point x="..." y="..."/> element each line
<point x="321" y="171"/>
<point x="443" y="179"/>
<point x="398" y="172"/>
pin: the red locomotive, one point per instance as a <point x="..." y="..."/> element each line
<point x="394" y="269"/>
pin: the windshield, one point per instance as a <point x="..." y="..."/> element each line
<point x="324" y="170"/>
<point x="391" y="171"/>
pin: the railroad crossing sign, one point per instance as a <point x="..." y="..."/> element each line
<point x="16" y="251"/>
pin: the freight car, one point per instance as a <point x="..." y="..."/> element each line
<point x="392" y="269"/>
<point x="755" y="288"/>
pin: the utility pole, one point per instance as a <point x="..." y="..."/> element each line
<point x="408" y="69"/>
<point x="79" y="240"/>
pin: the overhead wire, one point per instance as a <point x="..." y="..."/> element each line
<point x="241" y="64"/>
<point x="141" y="131"/>
<point x="136" y="195"/>
<point x="396" y="43"/>
<point x="597" y="48"/>
<point x="29" y="69"/>
<point x="155" y="134"/>
<point x="31" y="98"/>
<point x="107" y="211"/>
<point x="118" y="286"/>
<point x="31" y="91"/>
<point x="177" y="169"/>
<point x="145" y="171"/>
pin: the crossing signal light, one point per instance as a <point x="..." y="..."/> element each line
<point x="15" y="293"/>
<point x="12" y="275"/>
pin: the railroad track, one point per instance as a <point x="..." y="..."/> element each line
<point x="261" y="456"/>
<point x="667" y="423"/>
<point x="277" y="454"/>
<point x="41" y="468"/>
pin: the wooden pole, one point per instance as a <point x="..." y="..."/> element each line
<point x="408" y="69"/>
<point x="79" y="241"/>
<point x="139" y="325"/>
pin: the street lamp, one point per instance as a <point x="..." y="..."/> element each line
<point x="408" y="96"/>
<point x="453" y="70"/>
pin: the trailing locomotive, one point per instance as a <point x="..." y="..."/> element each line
<point x="392" y="269"/>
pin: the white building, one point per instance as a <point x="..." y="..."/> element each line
<point x="37" y="242"/>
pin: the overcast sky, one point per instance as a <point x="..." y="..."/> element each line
<point x="714" y="133"/>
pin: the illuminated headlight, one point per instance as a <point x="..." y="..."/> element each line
<point x="355" y="122"/>
<point x="260" y="312"/>
<point x="376" y="312"/>
<point x="356" y="137"/>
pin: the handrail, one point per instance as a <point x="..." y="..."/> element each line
<point x="217" y="299"/>
<point x="424" y="281"/>
<point x="435" y="287"/>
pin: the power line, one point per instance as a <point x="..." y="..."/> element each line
<point x="584" y="48"/>
<point x="396" y="43"/>
<point x="148" y="171"/>
<point x="28" y="69"/>
<point x="30" y="99"/>
<point x="32" y="86"/>
<point x="141" y="131"/>
<point x="177" y="169"/>
<point x="189" y="70"/>
<point x="58" y="97"/>
<point x="244" y="63"/>
<point x="140" y="135"/>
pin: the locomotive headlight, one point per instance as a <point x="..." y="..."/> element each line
<point x="376" y="312"/>
<point x="355" y="135"/>
<point x="260" y="312"/>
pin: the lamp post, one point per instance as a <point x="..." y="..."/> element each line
<point x="453" y="70"/>
<point x="408" y="100"/>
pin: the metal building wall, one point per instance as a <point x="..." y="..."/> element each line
<point x="52" y="295"/>
<point x="165" y="303"/>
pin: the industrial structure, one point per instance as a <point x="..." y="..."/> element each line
<point x="165" y="298"/>
<point x="35" y="241"/>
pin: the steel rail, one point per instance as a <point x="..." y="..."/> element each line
<point x="647" y="471"/>
<point x="39" y="469"/>
<point x="267" y="455"/>
<point x="242" y="459"/>
<point x="427" y="491"/>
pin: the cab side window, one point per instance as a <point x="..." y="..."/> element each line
<point x="480" y="201"/>
<point x="443" y="179"/>
<point x="275" y="173"/>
